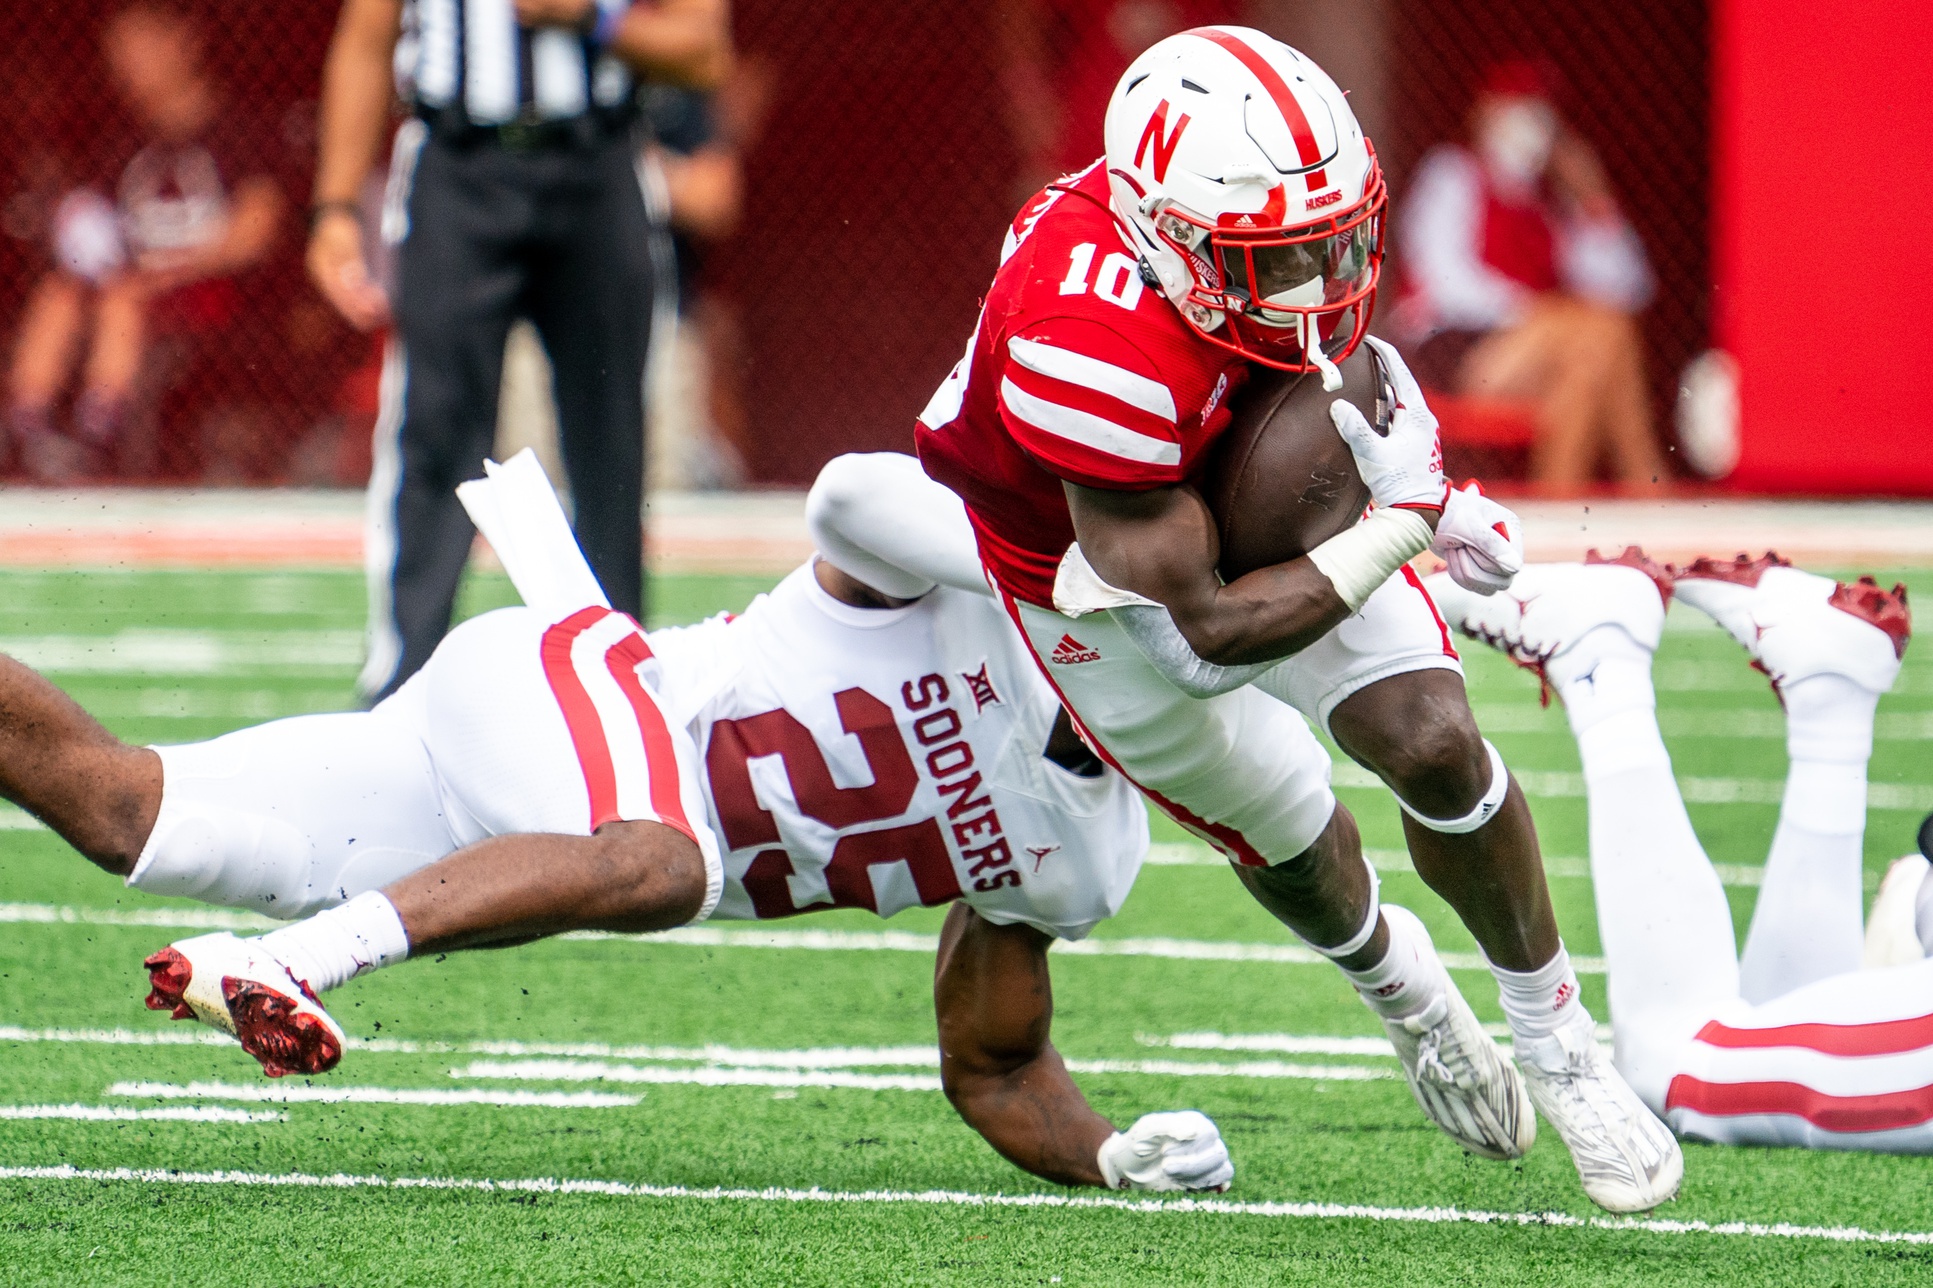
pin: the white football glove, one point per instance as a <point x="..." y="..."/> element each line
<point x="1406" y="467"/>
<point x="1481" y="541"/>
<point x="1182" y="1150"/>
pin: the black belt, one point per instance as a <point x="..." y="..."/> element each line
<point x="450" y="126"/>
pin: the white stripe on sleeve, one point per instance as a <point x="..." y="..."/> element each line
<point x="1057" y="363"/>
<point x="1090" y="431"/>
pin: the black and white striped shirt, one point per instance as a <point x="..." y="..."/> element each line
<point x="473" y="55"/>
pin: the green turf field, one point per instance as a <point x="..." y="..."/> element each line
<point x="738" y="1099"/>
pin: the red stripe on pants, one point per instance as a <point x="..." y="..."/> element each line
<point x="1882" y="1037"/>
<point x="1883" y="1112"/>
<point x="580" y="714"/>
<point x="1449" y="648"/>
<point x="660" y="756"/>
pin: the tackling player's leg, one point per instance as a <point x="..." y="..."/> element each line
<point x="1842" y="1062"/>
<point x="60" y="765"/>
<point x="1831" y="650"/>
<point x="629" y="877"/>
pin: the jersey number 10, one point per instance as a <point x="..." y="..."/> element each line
<point x="1118" y="282"/>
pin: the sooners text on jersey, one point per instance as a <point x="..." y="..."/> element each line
<point x="885" y="759"/>
<point x="1078" y="370"/>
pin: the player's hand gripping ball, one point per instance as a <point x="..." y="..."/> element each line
<point x="1404" y="466"/>
<point x="1280" y="480"/>
<point x="1180" y="1150"/>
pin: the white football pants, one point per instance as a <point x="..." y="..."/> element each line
<point x="1840" y="1062"/>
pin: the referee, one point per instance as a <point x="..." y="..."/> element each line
<point x="512" y="193"/>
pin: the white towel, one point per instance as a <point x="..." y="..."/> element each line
<point x="515" y="508"/>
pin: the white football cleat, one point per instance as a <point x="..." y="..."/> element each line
<point x="1549" y="607"/>
<point x="1796" y="624"/>
<point x="1167" y="1152"/>
<point x="1461" y="1080"/>
<point x="1627" y="1160"/>
<point x="232" y="985"/>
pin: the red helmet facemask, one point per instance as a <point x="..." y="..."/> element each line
<point x="1275" y="284"/>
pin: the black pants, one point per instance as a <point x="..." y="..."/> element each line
<point x="559" y="236"/>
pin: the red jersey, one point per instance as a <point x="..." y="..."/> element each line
<point x="1078" y="370"/>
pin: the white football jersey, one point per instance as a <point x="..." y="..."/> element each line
<point x="888" y="758"/>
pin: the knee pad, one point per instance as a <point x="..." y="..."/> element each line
<point x="226" y="856"/>
<point x="1485" y="809"/>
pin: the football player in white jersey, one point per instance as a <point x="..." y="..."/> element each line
<point x="1790" y="1042"/>
<point x="838" y="744"/>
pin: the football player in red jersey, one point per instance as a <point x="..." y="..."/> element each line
<point x="1237" y="218"/>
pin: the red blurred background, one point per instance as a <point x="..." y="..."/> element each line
<point x="895" y="143"/>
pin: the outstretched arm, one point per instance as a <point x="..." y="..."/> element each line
<point x="995" y="1004"/>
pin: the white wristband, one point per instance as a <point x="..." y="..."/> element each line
<point x="1361" y="559"/>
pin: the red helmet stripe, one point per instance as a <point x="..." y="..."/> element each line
<point x="1306" y="146"/>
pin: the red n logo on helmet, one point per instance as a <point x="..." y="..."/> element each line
<point x="1164" y="148"/>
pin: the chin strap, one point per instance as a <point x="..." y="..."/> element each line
<point x="1312" y="345"/>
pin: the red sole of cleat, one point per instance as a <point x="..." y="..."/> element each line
<point x="1885" y="609"/>
<point x="276" y="1033"/>
<point x="1663" y="576"/>
<point x="1740" y="570"/>
<point x="168" y="976"/>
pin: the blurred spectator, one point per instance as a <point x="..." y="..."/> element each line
<point x="192" y="207"/>
<point x="1061" y="60"/>
<point x="696" y="169"/>
<point x="1523" y="281"/>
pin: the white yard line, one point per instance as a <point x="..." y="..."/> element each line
<point x="1287" y="1043"/>
<point x="1911" y="797"/>
<point x="720" y="937"/>
<point x="924" y="1056"/>
<point x="121" y="1113"/>
<point x="1181" y="854"/>
<point x="165" y="651"/>
<point x="958" y="1198"/>
<point x="1527" y="717"/>
<point x="283" y="1094"/>
<point x="150" y="918"/>
<point x="716" y="1076"/>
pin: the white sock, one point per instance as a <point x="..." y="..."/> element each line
<point x="1539" y="1002"/>
<point x="1662" y="915"/>
<point x="1809" y="922"/>
<point x="1409" y="977"/>
<point x="333" y="947"/>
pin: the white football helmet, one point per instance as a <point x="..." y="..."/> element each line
<point x="1251" y="194"/>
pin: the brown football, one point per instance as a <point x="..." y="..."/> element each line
<point x="1281" y="481"/>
